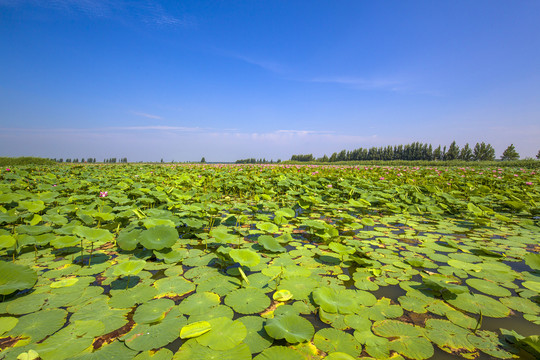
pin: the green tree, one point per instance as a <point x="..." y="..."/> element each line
<point x="466" y="153"/>
<point x="483" y="152"/>
<point x="203" y="160"/>
<point x="437" y="153"/>
<point x="453" y="152"/>
<point x="538" y="155"/>
<point x="510" y="153"/>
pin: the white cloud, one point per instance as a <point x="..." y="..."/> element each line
<point x="146" y="115"/>
<point x="361" y="83"/>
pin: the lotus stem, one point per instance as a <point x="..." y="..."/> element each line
<point x="243" y="275"/>
<point x="82" y="254"/>
<point x="127" y="284"/>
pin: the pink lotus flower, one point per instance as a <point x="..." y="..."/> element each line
<point x="103" y="193"/>
<point x="528" y="183"/>
<point x="329" y="186"/>
<point x="381" y="178"/>
<point x="8" y="169"/>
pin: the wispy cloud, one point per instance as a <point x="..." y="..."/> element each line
<point x="146" y="115"/>
<point x="264" y="64"/>
<point x="361" y="83"/>
<point x="139" y="11"/>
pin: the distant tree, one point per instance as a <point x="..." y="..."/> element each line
<point x="325" y="158"/>
<point x="453" y="152"/>
<point x="483" y="152"/>
<point x="437" y="153"/>
<point x="538" y="155"/>
<point x="466" y="153"/>
<point x="203" y="160"/>
<point x="510" y="153"/>
<point x="161" y="159"/>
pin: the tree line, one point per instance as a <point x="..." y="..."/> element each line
<point x="416" y="152"/>
<point x="256" y="161"/>
<point x="90" y="160"/>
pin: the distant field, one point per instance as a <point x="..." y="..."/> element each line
<point x="202" y="261"/>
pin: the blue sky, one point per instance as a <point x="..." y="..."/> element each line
<point x="227" y="80"/>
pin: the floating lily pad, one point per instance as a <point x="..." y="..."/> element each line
<point x="488" y="287"/>
<point x="257" y="339"/>
<point x="40" y="324"/>
<point x="174" y="286"/>
<point x="195" y="329"/>
<point x="290" y="327"/>
<point x="192" y="350"/>
<point x="477" y="303"/>
<point x="279" y="353"/>
<point x="130" y="297"/>
<point x="332" y="340"/>
<point x="225" y="334"/>
<point x="15" y="277"/>
<point x="158" y="237"/>
<point x="247" y="301"/>
<point x="245" y="257"/>
<point x="152" y="311"/>
<point x="199" y="303"/>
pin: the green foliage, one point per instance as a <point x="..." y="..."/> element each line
<point x="510" y="153"/>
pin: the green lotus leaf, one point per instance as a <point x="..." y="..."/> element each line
<point x="257" y="339"/>
<point x="279" y="353"/>
<point x="92" y="234"/>
<point x="192" y="350"/>
<point x="15" y="277"/>
<point x="145" y="337"/>
<point x="158" y="237"/>
<point x="341" y="301"/>
<point x="533" y="260"/>
<point x="220" y="284"/>
<point x="270" y="243"/>
<point x="128" y="240"/>
<point x="33" y="230"/>
<point x="213" y="313"/>
<point x="114" y="350"/>
<point x="339" y="356"/>
<point x="267" y="227"/>
<point x="407" y="339"/>
<point x="376" y="346"/>
<point x="150" y="223"/>
<point x="26" y="304"/>
<point x="290" y="327"/>
<point x="30" y="355"/>
<point x="139" y="294"/>
<point x="300" y="287"/>
<point x="199" y="303"/>
<point x="488" y="287"/>
<point x="129" y="268"/>
<point x="521" y="304"/>
<point x="247" y="300"/>
<point x="440" y="282"/>
<point x="361" y="203"/>
<point x="152" y="311"/>
<point x="332" y="340"/>
<point x="222" y="236"/>
<point x="60" y="242"/>
<point x="161" y="354"/>
<point x="224" y="335"/>
<point x="170" y="256"/>
<point x="245" y="257"/>
<point x="489" y="342"/>
<point x="6" y="241"/>
<point x="40" y="324"/>
<point x="282" y="295"/>
<point x="532" y="285"/>
<point x="174" y="286"/>
<point x="64" y="283"/>
<point x="195" y="329"/>
<point x="32" y="206"/>
<point x="367" y="222"/>
<point x="7" y="324"/>
<point x="357" y="322"/>
<point x="449" y="337"/>
<point x="477" y="303"/>
<point x="382" y="310"/>
<point x="460" y="319"/>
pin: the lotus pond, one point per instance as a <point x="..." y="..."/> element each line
<point x="269" y="262"/>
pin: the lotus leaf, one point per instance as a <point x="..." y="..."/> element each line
<point x="333" y="301"/>
<point x="245" y="257"/>
<point x="7" y="324"/>
<point x="212" y="313"/>
<point x="220" y="284"/>
<point x="532" y="285"/>
<point x="129" y="268"/>
<point x="257" y="339"/>
<point x="15" y="277"/>
<point x="279" y="353"/>
<point x="290" y="327"/>
<point x="282" y="295"/>
<point x="158" y="237"/>
<point x="174" y="286"/>
<point x="332" y="340"/>
<point x="60" y="242"/>
<point x="300" y="287"/>
<point x="6" y="241"/>
<point x="533" y="260"/>
<point x="40" y="324"/>
<point x="92" y="234"/>
<point x="199" y="303"/>
<point x="145" y="337"/>
<point x="449" y="337"/>
<point x="128" y="240"/>
<point x="224" y="335"/>
<point x="270" y="243"/>
<point x="488" y="287"/>
<point x="64" y="283"/>
<point x="477" y="303"/>
<point x="407" y="340"/>
<point x="161" y="354"/>
<point x="489" y="342"/>
<point x="130" y="297"/>
<point x="520" y="304"/>
<point x="195" y="329"/>
<point x="152" y="311"/>
<point x="151" y="222"/>
<point x="247" y="301"/>
<point x="267" y="227"/>
<point x="192" y="350"/>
